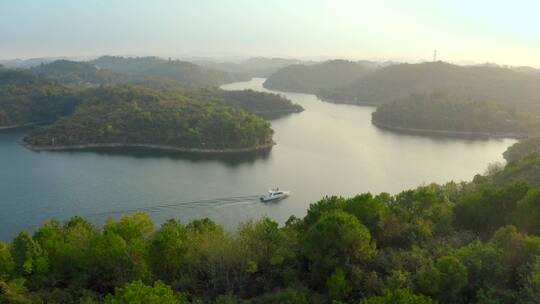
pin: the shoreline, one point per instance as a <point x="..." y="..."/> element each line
<point x="448" y="132"/>
<point x="145" y="146"/>
<point x="348" y="102"/>
<point x="324" y="98"/>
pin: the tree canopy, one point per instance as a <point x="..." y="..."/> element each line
<point x="444" y="112"/>
<point x="474" y="242"/>
<point x="183" y="72"/>
<point x="481" y="83"/>
<point x="135" y="115"/>
<point x="316" y="77"/>
<point x="26" y="99"/>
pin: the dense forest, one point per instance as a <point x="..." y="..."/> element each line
<point x="476" y="242"/>
<point x="317" y="77"/>
<point x="136" y="71"/>
<point x="76" y="73"/>
<point x="130" y="115"/>
<point x="108" y="70"/>
<point x="523" y="148"/>
<point x="26" y="99"/>
<point x="98" y="106"/>
<point x="523" y="163"/>
<point x="482" y="83"/>
<point x="145" y="68"/>
<point x="266" y="105"/>
<point x="444" y="112"/>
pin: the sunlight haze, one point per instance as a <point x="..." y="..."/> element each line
<point x="461" y="31"/>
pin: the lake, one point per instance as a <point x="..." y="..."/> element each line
<point x="327" y="149"/>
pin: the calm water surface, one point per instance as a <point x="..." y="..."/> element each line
<point x="327" y="149"/>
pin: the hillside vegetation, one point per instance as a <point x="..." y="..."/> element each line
<point x="180" y="116"/>
<point x="27" y="99"/>
<point x="441" y="112"/>
<point x="317" y="77"/>
<point x="523" y="165"/>
<point x="266" y="105"/>
<point x="186" y="73"/>
<point x="522" y="149"/>
<point x="480" y="83"/>
<point x="131" y="71"/>
<point x="130" y="115"/>
<point x="474" y="242"/>
<point x="76" y="73"/>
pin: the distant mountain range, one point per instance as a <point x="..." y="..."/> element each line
<point x="480" y="83"/>
<point x="252" y="67"/>
<point x="313" y="78"/>
<point x="370" y="83"/>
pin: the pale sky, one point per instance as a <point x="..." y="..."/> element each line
<point x="504" y="32"/>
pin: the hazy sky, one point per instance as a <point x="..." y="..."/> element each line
<point x="506" y="32"/>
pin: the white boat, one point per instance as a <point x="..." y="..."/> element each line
<point x="274" y="195"/>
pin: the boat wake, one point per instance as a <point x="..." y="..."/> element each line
<point x="210" y="203"/>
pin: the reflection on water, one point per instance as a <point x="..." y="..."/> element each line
<point x="230" y="159"/>
<point x="327" y="149"/>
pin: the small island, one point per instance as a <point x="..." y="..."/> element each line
<point x="83" y="106"/>
<point x="262" y="104"/>
<point x="131" y="116"/>
<point x="442" y="113"/>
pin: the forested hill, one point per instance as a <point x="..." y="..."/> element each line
<point x="481" y="83"/>
<point x="77" y="73"/>
<point x="469" y="242"/>
<point x="266" y="105"/>
<point x="129" y="115"/>
<point x="26" y="98"/>
<point x="314" y="78"/>
<point x="186" y="73"/>
<point x="85" y="74"/>
<point x="440" y="112"/>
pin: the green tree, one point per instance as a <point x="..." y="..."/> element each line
<point x="454" y="278"/>
<point x="371" y="211"/>
<point x="321" y="207"/>
<point x="399" y="296"/>
<point x="7" y="265"/>
<point x="113" y="262"/>
<point x="136" y="226"/>
<point x="530" y="291"/>
<point x="486" y="210"/>
<point x="338" y="239"/>
<point x="167" y="252"/>
<point x="139" y="293"/>
<point x="337" y="285"/>
<point x="268" y="249"/>
<point x="485" y="267"/>
<point x="13" y="292"/>
<point x="285" y="296"/>
<point x="214" y="262"/>
<point x="29" y="256"/>
<point x="528" y="212"/>
<point x="428" y="279"/>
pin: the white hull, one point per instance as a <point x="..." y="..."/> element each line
<point x="274" y="196"/>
